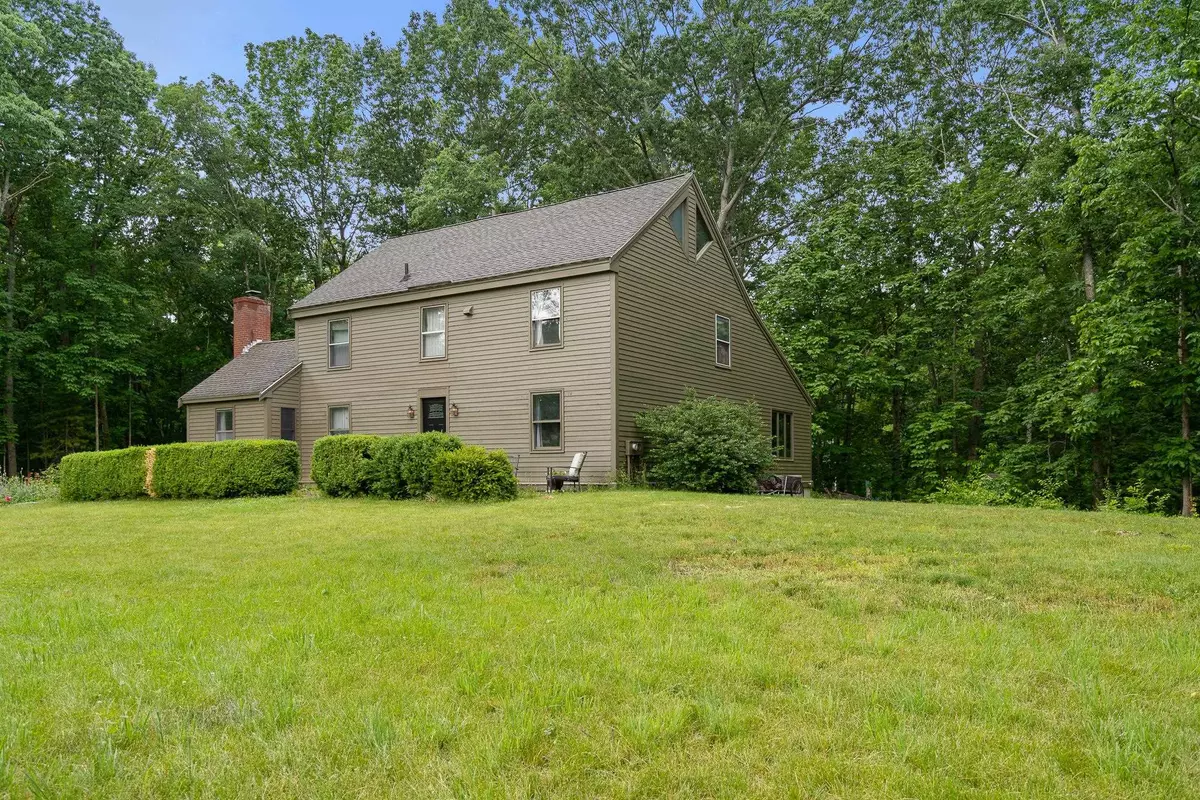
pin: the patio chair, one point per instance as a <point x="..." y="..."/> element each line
<point x="793" y="484"/>
<point x="559" y="477"/>
<point x="771" y="484"/>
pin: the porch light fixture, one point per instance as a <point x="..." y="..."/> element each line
<point x="454" y="409"/>
<point x="412" y="412"/>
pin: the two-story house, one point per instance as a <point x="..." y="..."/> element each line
<point x="542" y="332"/>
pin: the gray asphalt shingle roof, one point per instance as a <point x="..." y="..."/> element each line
<point x="586" y="229"/>
<point x="248" y="374"/>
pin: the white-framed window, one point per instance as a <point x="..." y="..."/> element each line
<point x="724" y="334"/>
<point x="224" y="424"/>
<point x="339" y="420"/>
<point x="339" y="343"/>
<point x="433" y="332"/>
<point x="781" y="434"/>
<point x="546" y="419"/>
<point x="703" y="234"/>
<point x="677" y="222"/>
<point x="545" y="314"/>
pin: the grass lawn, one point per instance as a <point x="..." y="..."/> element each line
<point x="604" y="644"/>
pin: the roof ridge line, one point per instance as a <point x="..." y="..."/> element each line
<point x="538" y="207"/>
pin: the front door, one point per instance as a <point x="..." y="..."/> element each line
<point x="433" y="414"/>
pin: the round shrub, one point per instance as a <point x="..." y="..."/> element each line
<point x="104" y="475"/>
<point x="706" y="445"/>
<point x="473" y="474"/>
<point x="402" y="466"/>
<point x="341" y="464"/>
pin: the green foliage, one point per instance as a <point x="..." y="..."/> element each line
<point x="474" y="474"/>
<point x="104" y="475"/>
<point x="1136" y="499"/>
<point x="457" y="187"/>
<point x="235" y="468"/>
<point x="29" y="488"/>
<point x="402" y="466"/>
<point x="706" y="445"/>
<point x="991" y="489"/>
<point x="341" y="465"/>
<point x="997" y="266"/>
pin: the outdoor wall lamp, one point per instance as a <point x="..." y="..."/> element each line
<point x="412" y="412"/>
<point x="454" y="409"/>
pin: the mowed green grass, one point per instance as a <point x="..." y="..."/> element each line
<point x="626" y="644"/>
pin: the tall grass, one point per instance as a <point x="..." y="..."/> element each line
<point x="29" y="487"/>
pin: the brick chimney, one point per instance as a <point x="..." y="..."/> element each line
<point x="251" y="322"/>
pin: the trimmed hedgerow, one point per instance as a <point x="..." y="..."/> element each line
<point x="705" y="445"/>
<point x="341" y="464"/>
<point x="235" y="468"/>
<point x="105" y="475"/>
<point x="474" y="475"/>
<point x="402" y="466"/>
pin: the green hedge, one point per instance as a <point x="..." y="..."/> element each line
<point x="235" y="468"/>
<point x="341" y="464"/>
<point x="474" y="474"/>
<point x="106" y="475"/>
<point x="402" y="466"/>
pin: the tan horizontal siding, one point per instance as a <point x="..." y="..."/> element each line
<point x="489" y="372"/>
<point x="249" y="420"/>
<point x="667" y="302"/>
<point x="286" y="395"/>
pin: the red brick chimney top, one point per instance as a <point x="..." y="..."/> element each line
<point x="251" y="323"/>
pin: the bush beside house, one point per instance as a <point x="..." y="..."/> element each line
<point x="412" y="465"/>
<point x="705" y="445"/>
<point x="402" y="466"/>
<point x="474" y="475"/>
<point x="237" y="468"/>
<point x="341" y="464"/>
<point x="104" y="475"/>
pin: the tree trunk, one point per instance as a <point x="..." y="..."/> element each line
<point x="975" y="428"/>
<point x="1089" y="270"/>
<point x="96" y="414"/>
<point x="1089" y="296"/>
<point x="10" y="354"/>
<point x="1185" y="423"/>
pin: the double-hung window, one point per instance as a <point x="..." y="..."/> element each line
<point x="545" y="314"/>
<point x="339" y="343"/>
<point x="546" y="419"/>
<point x="339" y="420"/>
<point x="724" y="341"/>
<point x="224" y="424"/>
<point x="781" y="433"/>
<point x="433" y="332"/>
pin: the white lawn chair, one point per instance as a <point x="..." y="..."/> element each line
<point x="559" y="477"/>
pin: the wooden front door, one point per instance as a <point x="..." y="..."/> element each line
<point x="433" y="414"/>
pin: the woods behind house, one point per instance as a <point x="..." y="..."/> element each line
<point x="972" y="226"/>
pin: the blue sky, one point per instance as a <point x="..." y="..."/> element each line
<point x="197" y="39"/>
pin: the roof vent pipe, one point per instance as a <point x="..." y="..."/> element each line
<point x="405" y="270"/>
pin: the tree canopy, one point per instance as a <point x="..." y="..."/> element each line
<point x="970" y="225"/>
